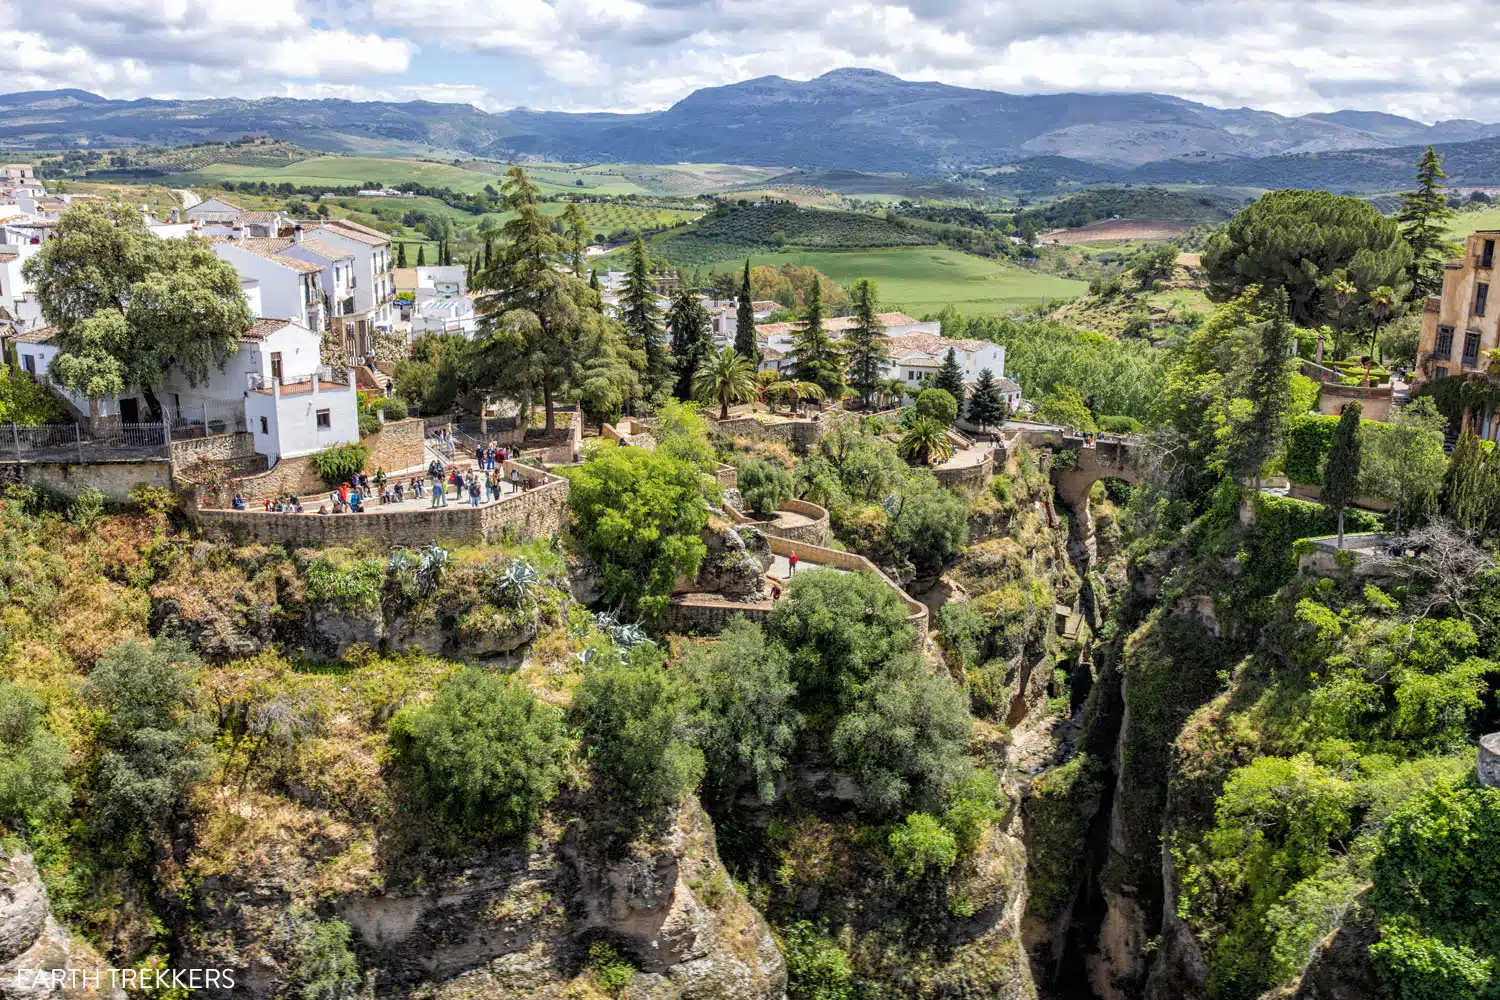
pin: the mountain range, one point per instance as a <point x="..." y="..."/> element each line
<point x="845" y="119"/>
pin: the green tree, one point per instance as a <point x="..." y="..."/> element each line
<point x="1341" y="466"/>
<point x="536" y="314"/>
<point x="638" y="514"/>
<point x="868" y="346"/>
<point x="324" y="961"/>
<point x="1471" y="487"/>
<point x="26" y="400"/>
<point x="744" y="320"/>
<point x="926" y="442"/>
<point x="1305" y="242"/>
<point x="950" y="377"/>
<point x="608" y="375"/>
<point x="692" y="341"/>
<point x="129" y="307"/>
<point x="903" y="739"/>
<point x="987" y="405"/>
<point x="748" y="726"/>
<point x="32" y="759"/>
<point x="1424" y="218"/>
<point x="642" y="319"/>
<point x="937" y="404"/>
<point x="576" y="228"/>
<point x="151" y="745"/>
<point x="400" y="254"/>
<point x="1257" y="423"/>
<point x="484" y="753"/>
<point x="1154" y="263"/>
<point x="764" y="485"/>
<point x="1066" y="407"/>
<point x="1404" y="464"/>
<point x="921" y="844"/>
<point x="421" y="255"/>
<point x="840" y="628"/>
<point x="725" y="378"/>
<point x="930" y="525"/>
<point x="817" y="356"/>
<point x="637" y="719"/>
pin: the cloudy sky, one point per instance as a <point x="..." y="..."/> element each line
<point x="1428" y="60"/>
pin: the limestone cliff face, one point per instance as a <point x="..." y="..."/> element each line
<point x="512" y="924"/>
<point x="32" y="939"/>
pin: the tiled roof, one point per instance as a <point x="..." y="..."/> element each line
<point x="765" y="305"/>
<point x="6" y="258"/>
<point x="324" y="249"/>
<point x="296" y="264"/>
<point x="354" y="231"/>
<point x="41" y="335"/>
<point x="263" y="327"/>
<point x="260" y="217"/>
<point x="1007" y="385"/>
<point x="770" y="354"/>
<point x="264" y="245"/>
<point x="934" y="344"/>
<point x="834" y="324"/>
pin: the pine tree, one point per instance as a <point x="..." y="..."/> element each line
<point x="400" y="254"/>
<point x="744" y="321"/>
<point x="987" y="406"/>
<point x="1341" y="466"/>
<point x="421" y="256"/>
<point x="817" y="356"/>
<point x="692" y="343"/>
<point x="1269" y="390"/>
<point x="594" y="280"/>
<point x="642" y="319"/>
<point x="1471" y="487"/>
<point x="577" y="231"/>
<point x="869" y="348"/>
<point x="950" y="377"/>
<point x="1423" y="217"/>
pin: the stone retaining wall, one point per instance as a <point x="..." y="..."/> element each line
<point x="968" y="475"/>
<point x="802" y="434"/>
<point x="705" y="614"/>
<point x="115" y="479"/>
<point x="396" y="447"/>
<point x="534" y="513"/>
<point x="727" y="476"/>
<point x="1489" y="760"/>
<point x="821" y="556"/>
<point x="815" y="533"/>
<point x="237" y="446"/>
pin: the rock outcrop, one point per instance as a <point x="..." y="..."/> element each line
<point x="31" y="940"/>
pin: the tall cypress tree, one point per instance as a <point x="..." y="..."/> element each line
<point x="1471" y="487"/>
<point x="421" y="255"/>
<point x="692" y="343"/>
<point x="869" y="348"/>
<point x="642" y="319"/>
<point x="400" y="254"/>
<point x="950" y="378"/>
<point x="1341" y="466"/>
<point x="817" y="356"/>
<point x="987" y="406"/>
<point x="744" y="321"/>
<point x="1257" y="433"/>
<point x="1423" y="217"/>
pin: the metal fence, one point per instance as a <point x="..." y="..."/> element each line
<point x="74" y="443"/>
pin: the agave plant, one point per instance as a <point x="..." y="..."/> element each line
<point x="432" y="563"/>
<point x="516" y="581"/>
<point x="400" y="562"/>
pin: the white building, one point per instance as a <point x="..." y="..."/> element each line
<point x="777" y="341"/>
<point x="916" y="357"/>
<point x="20" y="239"/>
<point x="373" y="283"/>
<point x="447" y="282"/>
<point x="442" y="303"/>
<point x="337" y="272"/>
<point x="289" y="286"/>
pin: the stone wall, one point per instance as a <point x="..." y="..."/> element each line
<point x="1376" y="400"/>
<point x="727" y="476"/>
<point x="237" y="446"/>
<point x="398" y="446"/>
<point x="968" y="475"/>
<point x="705" y="614"/>
<point x="816" y="532"/>
<point x="801" y="434"/>
<point x="820" y="556"/>
<point x="535" y="513"/>
<point x="115" y="479"/>
<point x="1489" y="760"/>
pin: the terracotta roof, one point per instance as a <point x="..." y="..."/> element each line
<point x="263" y="327"/>
<point x="8" y="257"/>
<point x="405" y="278"/>
<point x="765" y="305"/>
<point x="354" y="231"/>
<point x="324" y="249"/>
<point x="934" y="344"/>
<point x="770" y="354"/>
<point x="1007" y="385"/>
<point x="264" y="245"/>
<point x="260" y="217"/>
<point x="835" y="324"/>
<point x="41" y="335"/>
<point x="295" y="263"/>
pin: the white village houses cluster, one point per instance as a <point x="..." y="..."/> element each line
<point x="332" y="281"/>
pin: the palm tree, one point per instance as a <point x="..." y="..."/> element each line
<point x="892" y="389"/>
<point x="725" y="378"/>
<point x="794" y="391"/>
<point x="927" y="441"/>
<point x="1382" y="300"/>
<point x="1343" y="293"/>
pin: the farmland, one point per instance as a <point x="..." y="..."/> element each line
<point x="924" y="279"/>
<point x="735" y="231"/>
<point x="346" y="171"/>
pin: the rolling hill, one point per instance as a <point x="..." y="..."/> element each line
<point x="861" y="120"/>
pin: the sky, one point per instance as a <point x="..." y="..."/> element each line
<point x="1428" y="60"/>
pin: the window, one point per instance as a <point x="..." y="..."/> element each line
<point x="1471" y="348"/>
<point x="1487" y="256"/>
<point x="276" y="365"/>
<point x="325" y="420"/>
<point x="1442" y="371"/>
<point x="1443" y="347"/>
<point x="1481" y="298"/>
<point x="264" y="427"/>
<point x="28" y="362"/>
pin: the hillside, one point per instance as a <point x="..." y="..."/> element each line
<point x="862" y="120"/>
<point x="734" y="231"/>
<point x="1131" y="203"/>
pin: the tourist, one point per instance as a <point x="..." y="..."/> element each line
<point x="416" y="487"/>
<point x="298" y="509"/>
<point x="344" y="493"/>
<point x="439" y="491"/>
<point x="775" y="591"/>
<point x="515" y="478"/>
<point x="478" y="455"/>
<point x="474" y="491"/>
<point x="354" y="502"/>
<point x="238" y="503"/>
<point x="400" y="492"/>
<point x="380" y="478"/>
<point x="458" y="485"/>
<point x="791" y="561"/>
<point x="294" y="501"/>
<point x="322" y="508"/>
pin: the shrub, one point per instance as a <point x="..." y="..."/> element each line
<point x="1119" y="425"/>
<point x="841" y="628"/>
<point x="87" y="509"/>
<point x="938" y="404"/>
<point x="816" y="967"/>
<point x="931" y="525"/>
<point x="338" y="464"/>
<point x="325" y="963"/>
<point x="973" y="805"/>
<point x="637" y="720"/>
<point x="1308" y="437"/>
<point x="394" y="407"/>
<point x="748" y="725"/>
<point x="921" y="844"/>
<point x="32" y="758"/>
<point x="609" y="971"/>
<point x="484" y="754"/>
<point x="764" y="485"/>
<point x="903" y="741"/>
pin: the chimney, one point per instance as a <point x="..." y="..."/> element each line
<point x="238" y="232"/>
<point x="297" y="234"/>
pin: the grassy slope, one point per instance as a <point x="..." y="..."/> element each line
<point x="1464" y="223"/>
<point x="923" y="279"/>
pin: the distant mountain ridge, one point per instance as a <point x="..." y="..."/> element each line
<point x="846" y="119"/>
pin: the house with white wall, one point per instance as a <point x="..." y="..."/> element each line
<point x="374" y="284"/>
<point x="337" y="276"/>
<point x="289" y="286"/>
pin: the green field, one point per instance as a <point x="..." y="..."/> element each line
<point x="1464" y="223"/>
<point x="552" y="178"/>
<point x="920" y="280"/>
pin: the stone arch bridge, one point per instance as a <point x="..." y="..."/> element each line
<point x="1098" y="456"/>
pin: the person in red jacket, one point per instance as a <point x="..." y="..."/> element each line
<point x="791" y="561"/>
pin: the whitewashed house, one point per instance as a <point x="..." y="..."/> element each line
<point x="289" y="286"/>
<point x="373" y="284"/>
<point x="442" y="303"/>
